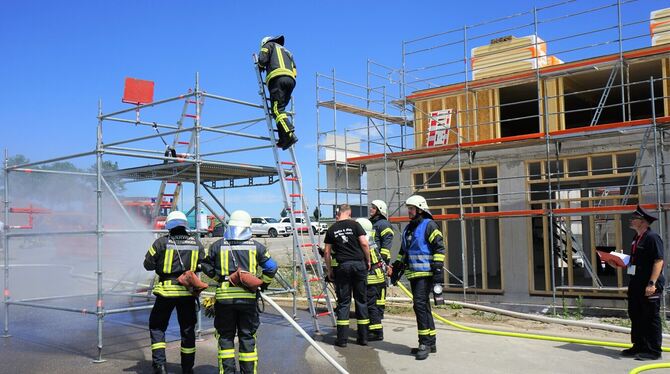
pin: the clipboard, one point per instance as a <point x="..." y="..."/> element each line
<point x="621" y="260"/>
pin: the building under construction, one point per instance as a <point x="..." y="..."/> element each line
<point x="532" y="136"/>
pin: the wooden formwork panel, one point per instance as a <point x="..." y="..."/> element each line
<point x="552" y="90"/>
<point x="475" y="116"/>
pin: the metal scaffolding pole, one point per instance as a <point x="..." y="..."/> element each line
<point x="657" y="178"/>
<point x="98" y="228"/>
<point x="196" y="185"/>
<point x="5" y="241"/>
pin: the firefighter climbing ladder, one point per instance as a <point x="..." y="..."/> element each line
<point x="305" y="247"/>
<point x="175" y="143"/>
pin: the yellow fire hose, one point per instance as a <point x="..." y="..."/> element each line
<point x="544" y="337"/>
<point x="639" y="369"/>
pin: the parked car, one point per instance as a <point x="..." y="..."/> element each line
<point x="269" y="226"/>
<point x="317" y="228"/>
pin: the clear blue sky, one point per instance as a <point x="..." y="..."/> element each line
<point x="59" y="58"/>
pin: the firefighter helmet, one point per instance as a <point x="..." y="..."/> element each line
<point x="239" y="226"/>
<point x="381" y="207"/>
<point x="365" y="223"/>
<point x="419" y="202"/>
<point x="277" y="39"/>
<point x="174" y="219"/>
<point x="240" y="218"/>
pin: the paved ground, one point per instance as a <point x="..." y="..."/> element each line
<point x="62" y="342"/>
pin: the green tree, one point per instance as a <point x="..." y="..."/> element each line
<point x="116" y="183"/>
<point x="284" y="213"/>
<point x="316" y="213"/>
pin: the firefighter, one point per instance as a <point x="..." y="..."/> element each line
<point x="280" y="74"/>
<point x="347" y="241"/>
<point x="236" y="305"/>
<point x="422" y="255"/>
<point x="382" y="236"/>
<point x="376" y="284"/>
<point x="645" y="289"/>
<point x="171" y="256"/>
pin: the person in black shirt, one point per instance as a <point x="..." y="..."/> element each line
<point x="645" y="288"/>
<point x="347" y="242"/>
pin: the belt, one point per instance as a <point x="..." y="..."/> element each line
<point x="168" y="278"/>
<point x="378" y="265"/>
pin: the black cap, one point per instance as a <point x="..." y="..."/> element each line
<point x="639" y="212"/>
<point x="279" y="39"/>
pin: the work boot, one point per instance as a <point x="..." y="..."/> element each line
<point x="433" y="349"/>
<point x="422" y="352"/>
<point x="160" y="369"/>
<point x="630" y="352"/>
<point x="186" y="371"/>
<point x="362" y="335"/>
<point x="342" y="332"/>
<point x="375" y="336"/>
<point x="647" y="356"/>
<point x="286" y="142"/>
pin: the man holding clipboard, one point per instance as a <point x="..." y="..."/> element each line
<point x="645" y="287"/>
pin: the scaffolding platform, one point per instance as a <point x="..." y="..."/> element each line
<point x="348" y="108"/>
<point x="185" y="172"/>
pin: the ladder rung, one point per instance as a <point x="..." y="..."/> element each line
<point x="295" y="195"/>
<point x="172" y="182"/>
<point x="310" y="262"/>
<point x="298" y="211"/>
<point x="307" y="245"/>
<point x="319" y="297"/>
<point x="192" y="102"/>
<point x="322" y="314"/>
<point x="314" y="279"/>
<point x="292" y="179"/>
<point x="287" y="163"/>
<point x="168" y="194"/>
<point x="190" y="115"/>
<point x="301" y="228"/>
<point x="185" y="143"/>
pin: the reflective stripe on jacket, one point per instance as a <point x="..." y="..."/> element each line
<point x="383" y="236"/>
<point x="225" y="257"/>
<point x="277" y="61"/>
<point x="376" y="274"/>
<point x="170" y="256"/>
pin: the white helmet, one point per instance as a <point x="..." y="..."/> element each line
<point x="419" y="202"/>
<point x="366" y="224"/>
<point x="239" y="226"/>
<point x="381" y="207"/>
<point x="277" y="39"/>
<point x="240" y="218"/>
<point x="174" y="219"/>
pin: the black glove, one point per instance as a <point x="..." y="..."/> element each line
<point x="438" y="272"/>
<point x="264" y="286"/>
<point x="398" y="271"/>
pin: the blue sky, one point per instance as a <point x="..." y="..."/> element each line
<point x="61" y="57"/>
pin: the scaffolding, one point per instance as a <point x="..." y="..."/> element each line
<point x="608" y="93"/>
<point x="200" y="167"/>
